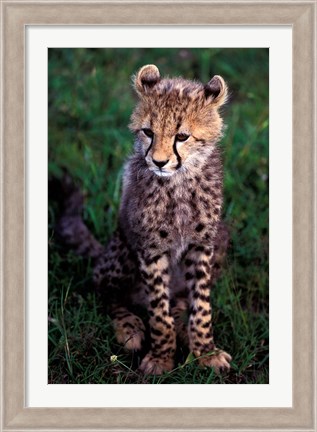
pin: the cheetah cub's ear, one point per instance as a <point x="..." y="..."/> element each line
<point x="216" y="91"/>
<point x="146" y="78"/>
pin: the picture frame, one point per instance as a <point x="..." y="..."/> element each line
<point x="15" y="17"/>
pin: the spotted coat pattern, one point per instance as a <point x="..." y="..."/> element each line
<point x="170" y="241"/>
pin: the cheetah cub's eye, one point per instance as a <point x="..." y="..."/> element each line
<point x="148" y="132"/>
<point x="182" y="137"/>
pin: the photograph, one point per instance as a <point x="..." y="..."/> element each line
<point x="158" y="216"/>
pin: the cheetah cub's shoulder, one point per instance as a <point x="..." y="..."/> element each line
<point x="165" y="252"/>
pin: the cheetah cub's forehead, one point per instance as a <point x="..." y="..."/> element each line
<point x="174" y="118"/>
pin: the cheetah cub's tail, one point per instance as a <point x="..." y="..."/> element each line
<point x="70" y="227"/>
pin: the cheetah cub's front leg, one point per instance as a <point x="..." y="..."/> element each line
<point x="198" y="279"/>
<point x="155" y="275"/>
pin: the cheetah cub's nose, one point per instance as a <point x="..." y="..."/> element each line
<point x="160" y="164"/>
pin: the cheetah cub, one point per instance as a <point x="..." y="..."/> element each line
<point x="170" y="240"/>
<point x="166" y="249"/>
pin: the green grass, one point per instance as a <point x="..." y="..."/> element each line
<point x="90" y="101"/>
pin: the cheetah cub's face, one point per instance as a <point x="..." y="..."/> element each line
<point x="176" y="121"/>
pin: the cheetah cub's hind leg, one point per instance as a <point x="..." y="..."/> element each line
<point x="114" y="275"/>
<point x="129" y="328"/>
<point x="180" y="313"/>
<point x="198" y="276"/>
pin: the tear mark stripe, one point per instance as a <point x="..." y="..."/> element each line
<point x="149" y="148"/>
<point x="179" y="159"/>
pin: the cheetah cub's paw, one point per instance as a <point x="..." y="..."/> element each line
<point x="219" y="360"/>
<point x="152" y="365"/>
<point x="129" y="332"/>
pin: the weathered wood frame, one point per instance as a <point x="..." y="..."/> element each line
<point x="16" y="16"/>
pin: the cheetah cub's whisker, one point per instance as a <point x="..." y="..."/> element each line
<point x="164" y="254"/>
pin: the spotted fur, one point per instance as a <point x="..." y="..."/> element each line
<point x="170" y="240"/>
